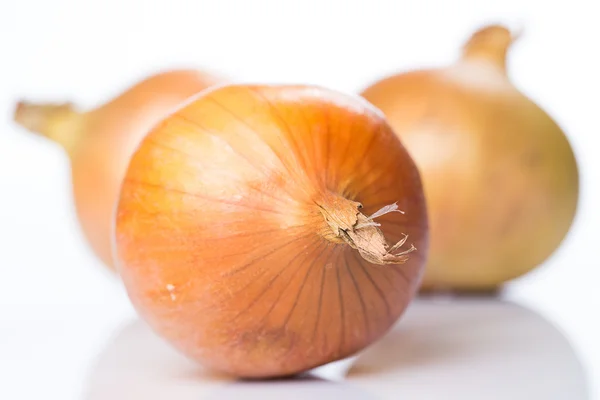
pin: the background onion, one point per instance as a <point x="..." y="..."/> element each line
<point x="500" y="177"/>
<point x="240" y="234"/>
<point x="100" y="141"/>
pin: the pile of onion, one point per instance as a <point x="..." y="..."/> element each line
<point x="99" y="142"/>
<point x="500" y="178"/>
<point x="267" y="230"/>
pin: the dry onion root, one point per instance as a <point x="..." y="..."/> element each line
<point x="267" y="230"/>
<point x="99" y="142"/>
<point x="500" y="177"/>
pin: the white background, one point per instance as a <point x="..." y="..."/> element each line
<point x="57" y="305"/>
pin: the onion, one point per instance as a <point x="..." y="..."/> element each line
<point x="99" y="142"/>
<point x="255" y="225"/>
<point x="500" y="177"/>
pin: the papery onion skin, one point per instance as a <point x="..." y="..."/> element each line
<point x="500" y="177"/>
<point x="226" y="228"/>
<point x="100" y="141"/>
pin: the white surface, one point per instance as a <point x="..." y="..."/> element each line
<point x="459" y="349"/>
<point x="58" y="308"/>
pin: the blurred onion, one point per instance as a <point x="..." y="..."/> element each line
<point x="99" y="142"/>
<point x="500" y="178"/>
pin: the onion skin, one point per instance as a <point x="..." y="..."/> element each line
<point x="100" y="141"/>
<point x="227" y="234"/>
<point x="500" y="178"/>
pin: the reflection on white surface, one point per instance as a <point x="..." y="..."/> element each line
<point x="473" y="349"/>
<point x="464" y="348"/>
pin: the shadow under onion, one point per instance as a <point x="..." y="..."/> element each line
<point x="136" y="364"/>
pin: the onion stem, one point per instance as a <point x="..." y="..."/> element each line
<point x="57" y="122"/>
<point x="348" y="225"/>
